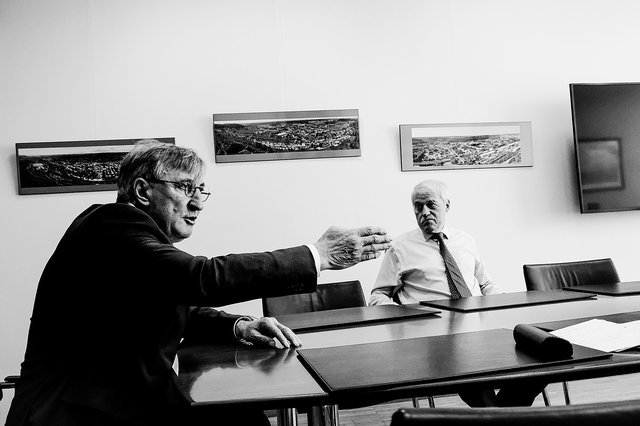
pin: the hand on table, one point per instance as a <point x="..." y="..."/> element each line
<point x="266" y="331"/>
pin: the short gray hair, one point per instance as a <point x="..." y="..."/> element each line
<point x="151" y="159"/>
<point x="436" y="186"/>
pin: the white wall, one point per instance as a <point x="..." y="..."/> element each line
<point x="82" y="69"/>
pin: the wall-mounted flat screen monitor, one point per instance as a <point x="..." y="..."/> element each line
<point x="606" y="134"/>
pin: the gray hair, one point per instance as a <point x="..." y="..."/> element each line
<point x="151" y="159"/>
<point x="436" y="186"/>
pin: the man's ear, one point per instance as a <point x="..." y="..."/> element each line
<point x="447" y="204"/>
<point x="142" y="192"/>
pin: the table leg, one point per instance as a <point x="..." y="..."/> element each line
<point x="287" y="417"/>
<point x="325" y="415"/>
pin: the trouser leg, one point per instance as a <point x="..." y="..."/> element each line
<point x="514" y="395"/>
<point x="519" y="395"/>
<point x="479" y="398"/>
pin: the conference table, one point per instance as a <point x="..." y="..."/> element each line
<point x="274" y="378"/>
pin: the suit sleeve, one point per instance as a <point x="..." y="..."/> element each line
<point x="223" y="280"/>
<point x="209" y="325"/>
<point x="166" y="272"/>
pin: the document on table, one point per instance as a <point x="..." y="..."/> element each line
<point x="603" y="335"/>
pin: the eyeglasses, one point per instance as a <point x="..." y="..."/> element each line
<point x="188" y="187"/>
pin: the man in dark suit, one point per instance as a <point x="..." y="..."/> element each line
<point x="116" y="298"/>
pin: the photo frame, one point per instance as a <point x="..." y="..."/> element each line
<point x="600" y="162"/>
<point x="261" y="136"/>
<point x="465" y="145"/>
<point x="72" y="166"/>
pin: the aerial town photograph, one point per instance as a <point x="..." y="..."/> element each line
<point x="64" y="170"/>
<point x="473" y="150"/>
<point x="72" y="166"/>
<point x="286" y="136"/>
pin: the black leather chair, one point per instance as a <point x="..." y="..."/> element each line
<point x="555" y="276"/>
<point x="346" y="294"/>
<point x="338" y="295"/>
<point x="9" y="382"/>
<point x="621" y="413"/>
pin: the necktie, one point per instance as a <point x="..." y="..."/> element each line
<point x="457" y="286"/>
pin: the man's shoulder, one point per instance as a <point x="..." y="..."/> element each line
<point x="113" y="210"/>
<point x="452" y="232"/>
<point x="407" y="237"/>
<point x="112" y="213"/>
<point x="458" y="236"/>
<point x="114" y="220"/>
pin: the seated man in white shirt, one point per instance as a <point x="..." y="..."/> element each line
<point x="413" y="270"/>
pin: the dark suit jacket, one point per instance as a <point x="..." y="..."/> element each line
<point x="111" y="307"/>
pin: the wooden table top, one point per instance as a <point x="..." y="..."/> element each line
<point x="274" y="378"/>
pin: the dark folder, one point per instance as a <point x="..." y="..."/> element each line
<point x="414" y="361"/>
<point x="505" y="300"/>
<point x="614" y="289"/>
<point x="348" y="317"/>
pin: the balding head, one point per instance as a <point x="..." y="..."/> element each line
<point x="437" y="187"/>
<point x="430" y="199"/>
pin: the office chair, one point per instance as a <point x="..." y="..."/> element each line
<point x="555" y="276"/>
<point x="346" y="294"/>
<point x="338" y="295"/>
<point x="619" y="413"/>
<point x="9" y="382"/>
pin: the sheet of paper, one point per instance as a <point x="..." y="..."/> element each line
<point x="633" y="326"/>
<point x="603" y="335"/>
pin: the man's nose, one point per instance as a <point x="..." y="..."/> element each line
<point x="196" y="204"/>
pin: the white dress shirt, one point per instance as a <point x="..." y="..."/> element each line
<point x="415" y="267"/>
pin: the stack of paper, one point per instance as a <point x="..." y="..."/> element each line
<point x="603" y="335"/>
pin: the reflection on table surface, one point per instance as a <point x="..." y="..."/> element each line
<point x="274" y="378"/>
<point x="222" y="374"/>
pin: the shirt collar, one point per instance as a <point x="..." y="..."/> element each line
<point x="445" y="233"/>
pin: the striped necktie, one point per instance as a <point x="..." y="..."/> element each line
<point x="457" y="286"/>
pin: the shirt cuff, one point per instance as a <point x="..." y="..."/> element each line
<point x="235" y="334"/>
<point x="316" y="257"/>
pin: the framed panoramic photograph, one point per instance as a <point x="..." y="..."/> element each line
<point x="600" y="164"/>
<point x="75" y="166"/>
<point x="260" y="136"/>
<point x="465" y="146"/>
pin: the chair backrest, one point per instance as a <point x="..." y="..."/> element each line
<point x="346" y="294"/>
<point x="9" y="382"/>
<point x="554" y="276"/>
<point x="619" y="413"/>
